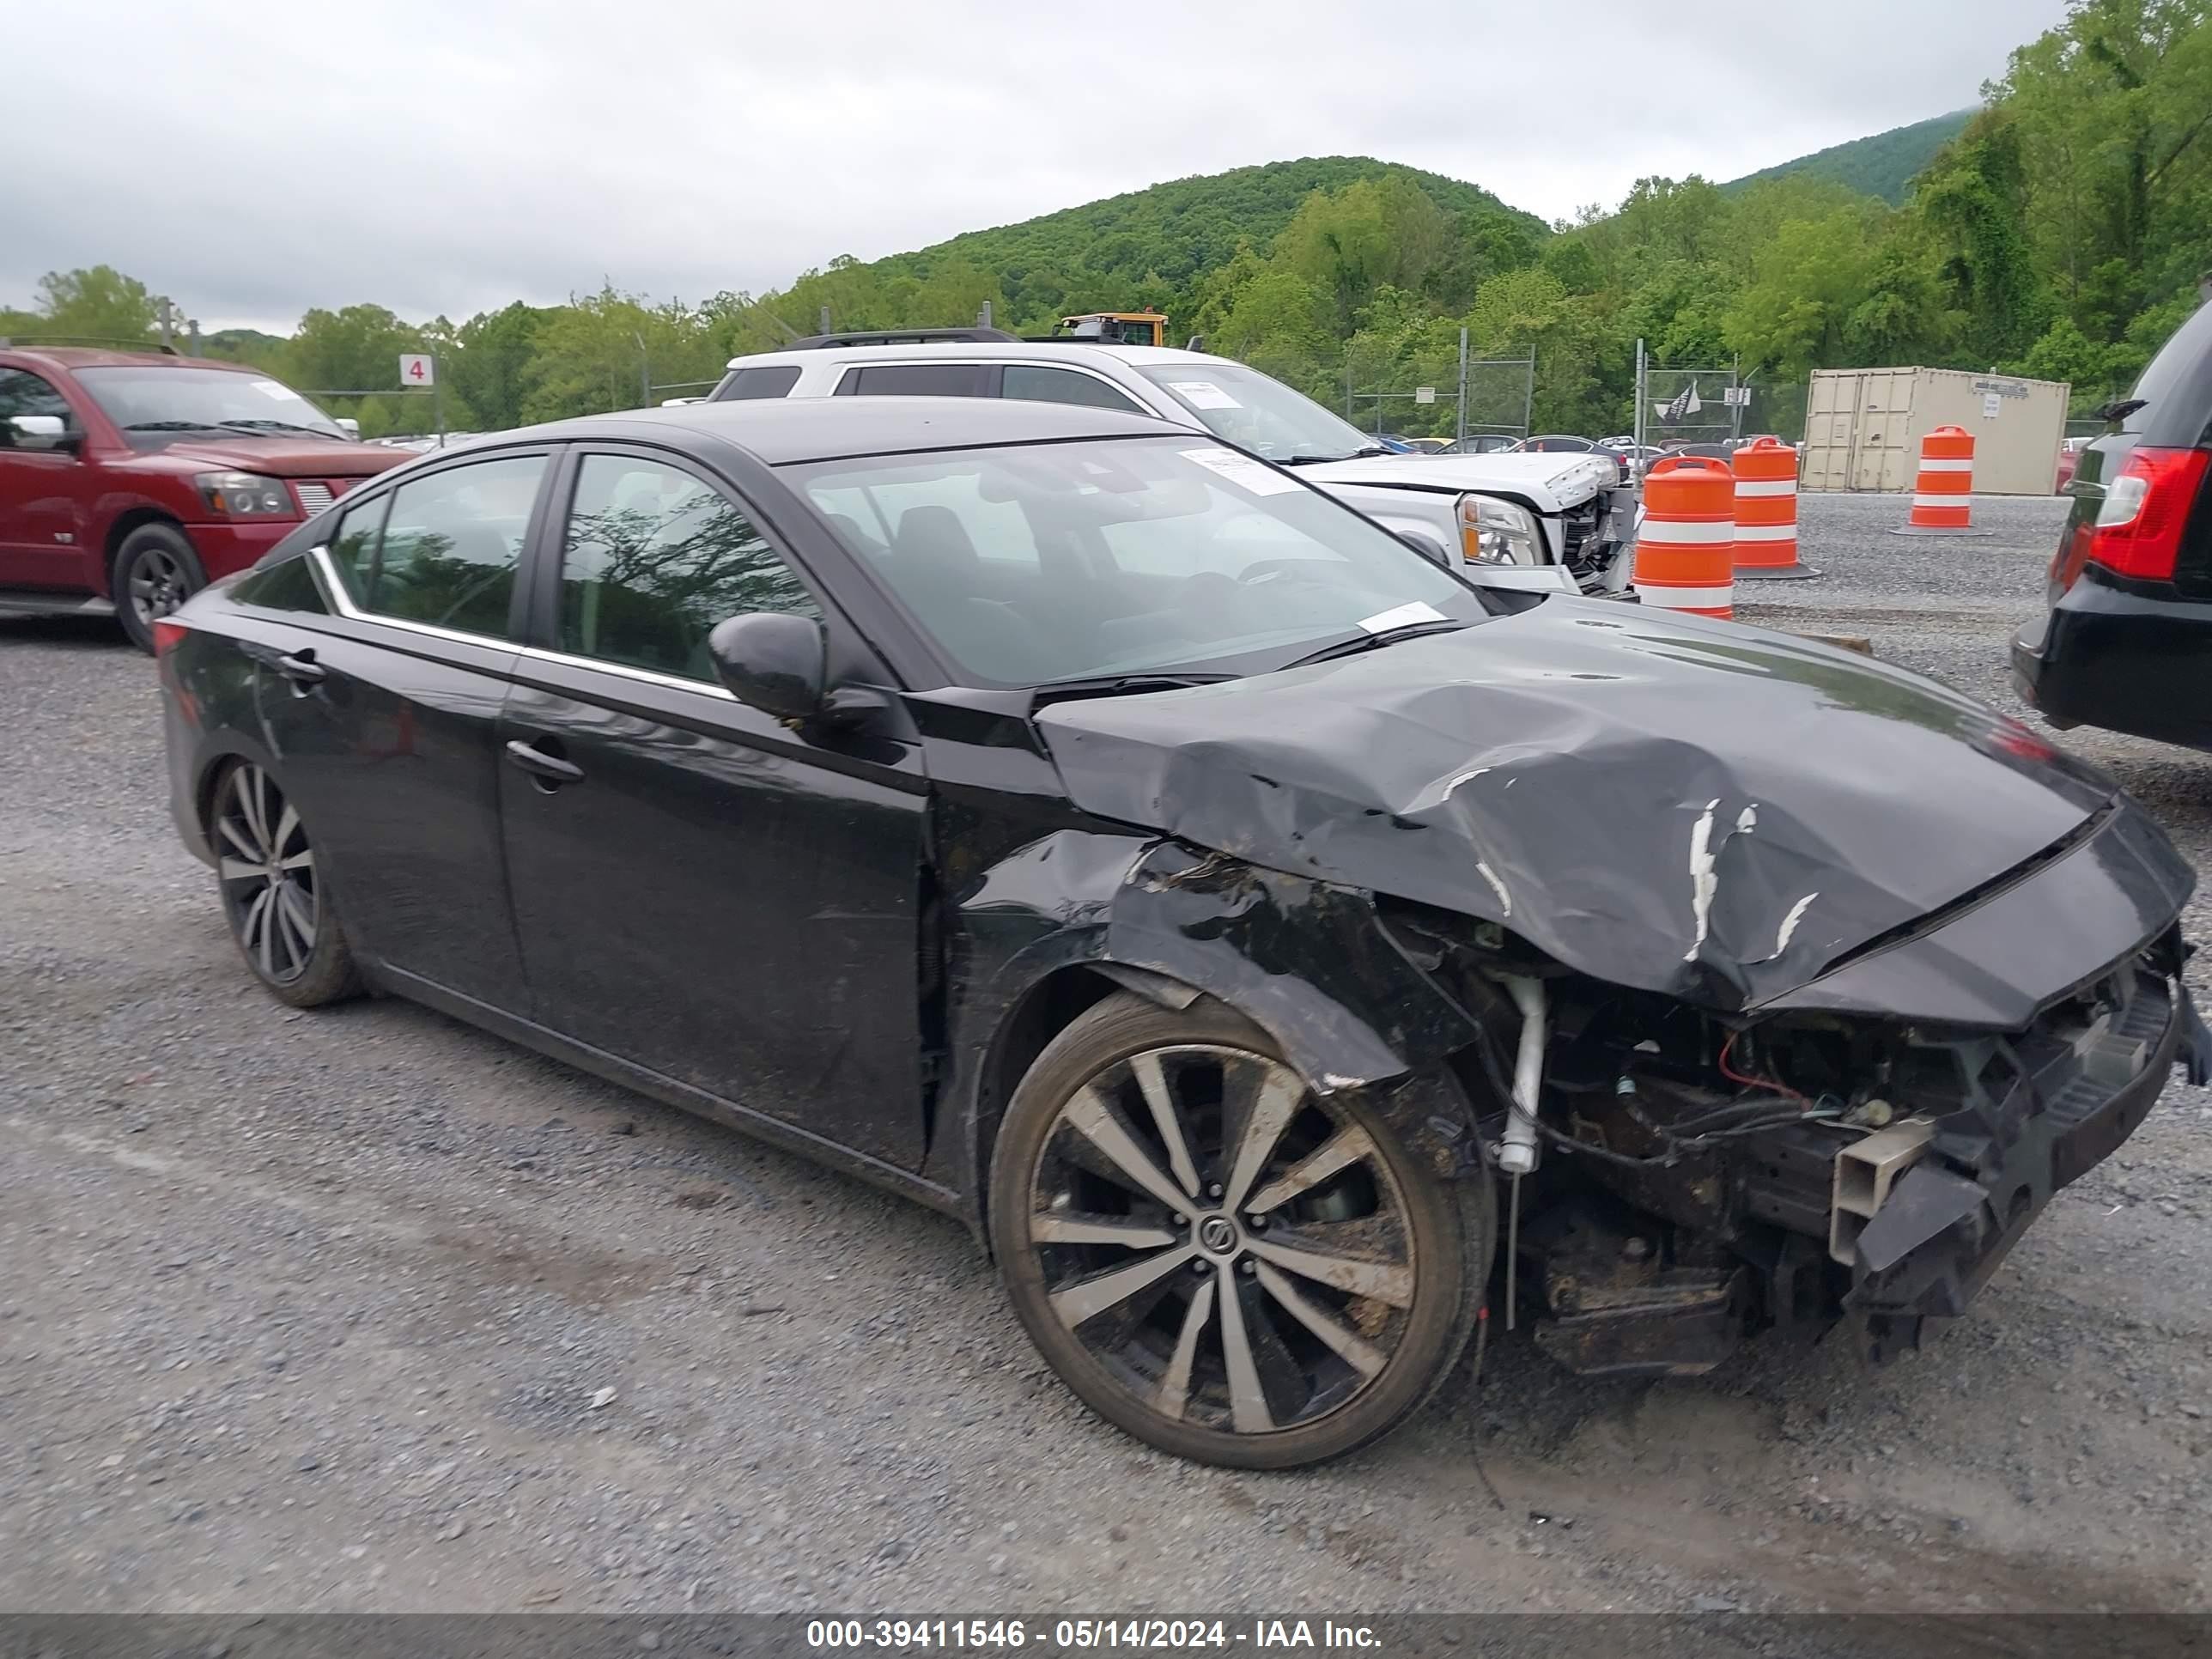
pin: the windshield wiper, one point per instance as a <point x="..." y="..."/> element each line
<point x="1366" y="454"/>
<point x="1107" y="685"/>
<point x="281" y="426"/>
<point x="1353" y="647"/>
<point x="173" y="426"/>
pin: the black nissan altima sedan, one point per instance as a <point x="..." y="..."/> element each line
<point x="1255" y="929"/>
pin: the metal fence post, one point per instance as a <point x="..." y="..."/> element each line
<point x="1459" y="435"/>
<point x="1638" y="428"/>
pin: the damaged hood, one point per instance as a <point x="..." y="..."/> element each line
<point x="1553" y="482"/>
<point x="1686" y="806"/>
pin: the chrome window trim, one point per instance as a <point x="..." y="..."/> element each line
<point x="334" y="590"/>
<point x="649" y="676"/>
<point x="334" y="593"/>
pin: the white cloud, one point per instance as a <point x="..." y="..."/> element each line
<point x="252" y="159"/>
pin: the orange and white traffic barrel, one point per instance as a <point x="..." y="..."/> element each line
<point x="1942" y="495"/>
<point x="1766" y="511"/>
<point x="1685" y="549"/>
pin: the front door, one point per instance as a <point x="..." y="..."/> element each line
<point x="44" y="491"/>
<point x="698" y="889"/>
<point x="383" y="716"/>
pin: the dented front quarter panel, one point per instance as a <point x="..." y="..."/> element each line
<point x="1027" y="885"/>
<point x="1309" y="963"/>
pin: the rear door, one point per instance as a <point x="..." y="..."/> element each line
<point x="383" y="716"/>
<point x="699" y="890"/>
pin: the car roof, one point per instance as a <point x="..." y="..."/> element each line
<point x="101" y="357"/>
<point x="970" y="350"/>
<point x="779" y="431"/>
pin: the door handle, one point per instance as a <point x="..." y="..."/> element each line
<point x="539" y="764"/>
<point x="301" y="669"/>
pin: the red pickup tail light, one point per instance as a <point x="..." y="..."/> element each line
<point x="2146" y="509"/>
<point x="168" y="635"/>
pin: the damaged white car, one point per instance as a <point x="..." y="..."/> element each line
<point x="1560" y="523"/>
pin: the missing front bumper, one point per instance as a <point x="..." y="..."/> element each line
<point x="1948" y="1221"/>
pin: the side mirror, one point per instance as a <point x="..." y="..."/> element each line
<point x="350" y="426"/>
<point x="772" y="662"/>
<point x="1427" y="546"/>
<point x="41" y="432"/>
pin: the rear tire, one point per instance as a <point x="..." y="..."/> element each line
<point x="274" y="896"/>
<point x="155" y="571"/>
<point x="1218" y="1261"/>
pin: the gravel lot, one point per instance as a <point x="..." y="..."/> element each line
<point x="320" y="1311"/>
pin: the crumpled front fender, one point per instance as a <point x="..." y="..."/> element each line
<point x="1305" y="960"/>
<point x="1308" y="962"/>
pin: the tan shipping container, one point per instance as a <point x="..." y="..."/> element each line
<point x="1863" y="428"/>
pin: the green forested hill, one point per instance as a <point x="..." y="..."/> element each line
<point x="1170" y="232"/>
<point x="1153" y="246"/>
<point x="1882" y="165"/>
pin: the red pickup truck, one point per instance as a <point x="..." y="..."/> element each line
<point x="129" y="480"/>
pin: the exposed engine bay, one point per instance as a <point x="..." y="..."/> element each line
<point x="1683" y="1180"/>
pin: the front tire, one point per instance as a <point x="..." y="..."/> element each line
<point x="1217" y="1259"/>
<point x="155" y="571"/>
<point x="274" y="894"/>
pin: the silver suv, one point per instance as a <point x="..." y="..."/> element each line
<point x="1545" y="521"/>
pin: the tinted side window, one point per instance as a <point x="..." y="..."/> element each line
<point x="767" y="382"/>
<point x="289" y="586"/>
<point x="917" y="380"/>
<point x="653" y="558"/>
<point x="353" y="543"/>
<point x="447" y="548"/>
<point x="23" y="392"/>
<point x="1041" y="385"/>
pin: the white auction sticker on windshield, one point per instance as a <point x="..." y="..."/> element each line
<point x="1242" y="471"/>
<point x="1403" y="616"/>
<point x="1203" y="394"/>
<point x="276" y="389"/>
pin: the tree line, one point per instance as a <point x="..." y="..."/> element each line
<point x="2062" y="234"/>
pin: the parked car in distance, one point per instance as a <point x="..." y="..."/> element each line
<point x="2069" y="456"/>
<point x="1479" y="443"/>
<point x="1562" y="443"/>
<point x="1428" y="446"/>
<point x="2127" y="641"/>
<point x="130" y="480"/>
<point x="1557" y="523"/>
<point x="1108" y="838"/>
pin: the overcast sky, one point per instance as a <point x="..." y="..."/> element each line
<point x="253" y="160"/>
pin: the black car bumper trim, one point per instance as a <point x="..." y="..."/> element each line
<point x="1943" y="1230"/>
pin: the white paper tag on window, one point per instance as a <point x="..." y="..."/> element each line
<point x="1242" y="471"/>
<point x="275" y="389"/>
<point x="1420" y="612"/>
<point x="1203" y="394"/>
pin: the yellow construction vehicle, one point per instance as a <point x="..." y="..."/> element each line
<point x="1116" y="327"/>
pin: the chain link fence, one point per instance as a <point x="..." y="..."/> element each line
<point x="1485" y="395"/>
<point x="1695" y="407"/>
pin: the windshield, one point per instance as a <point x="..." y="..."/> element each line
<point x="1065" y="561"/>
<point x="1259" y="413"/>
<point x="148" y="398"/>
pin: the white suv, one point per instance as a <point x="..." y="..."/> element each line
<point x="1547" y="522"/>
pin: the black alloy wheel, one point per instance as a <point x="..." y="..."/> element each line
<point x="155" y="572"/>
